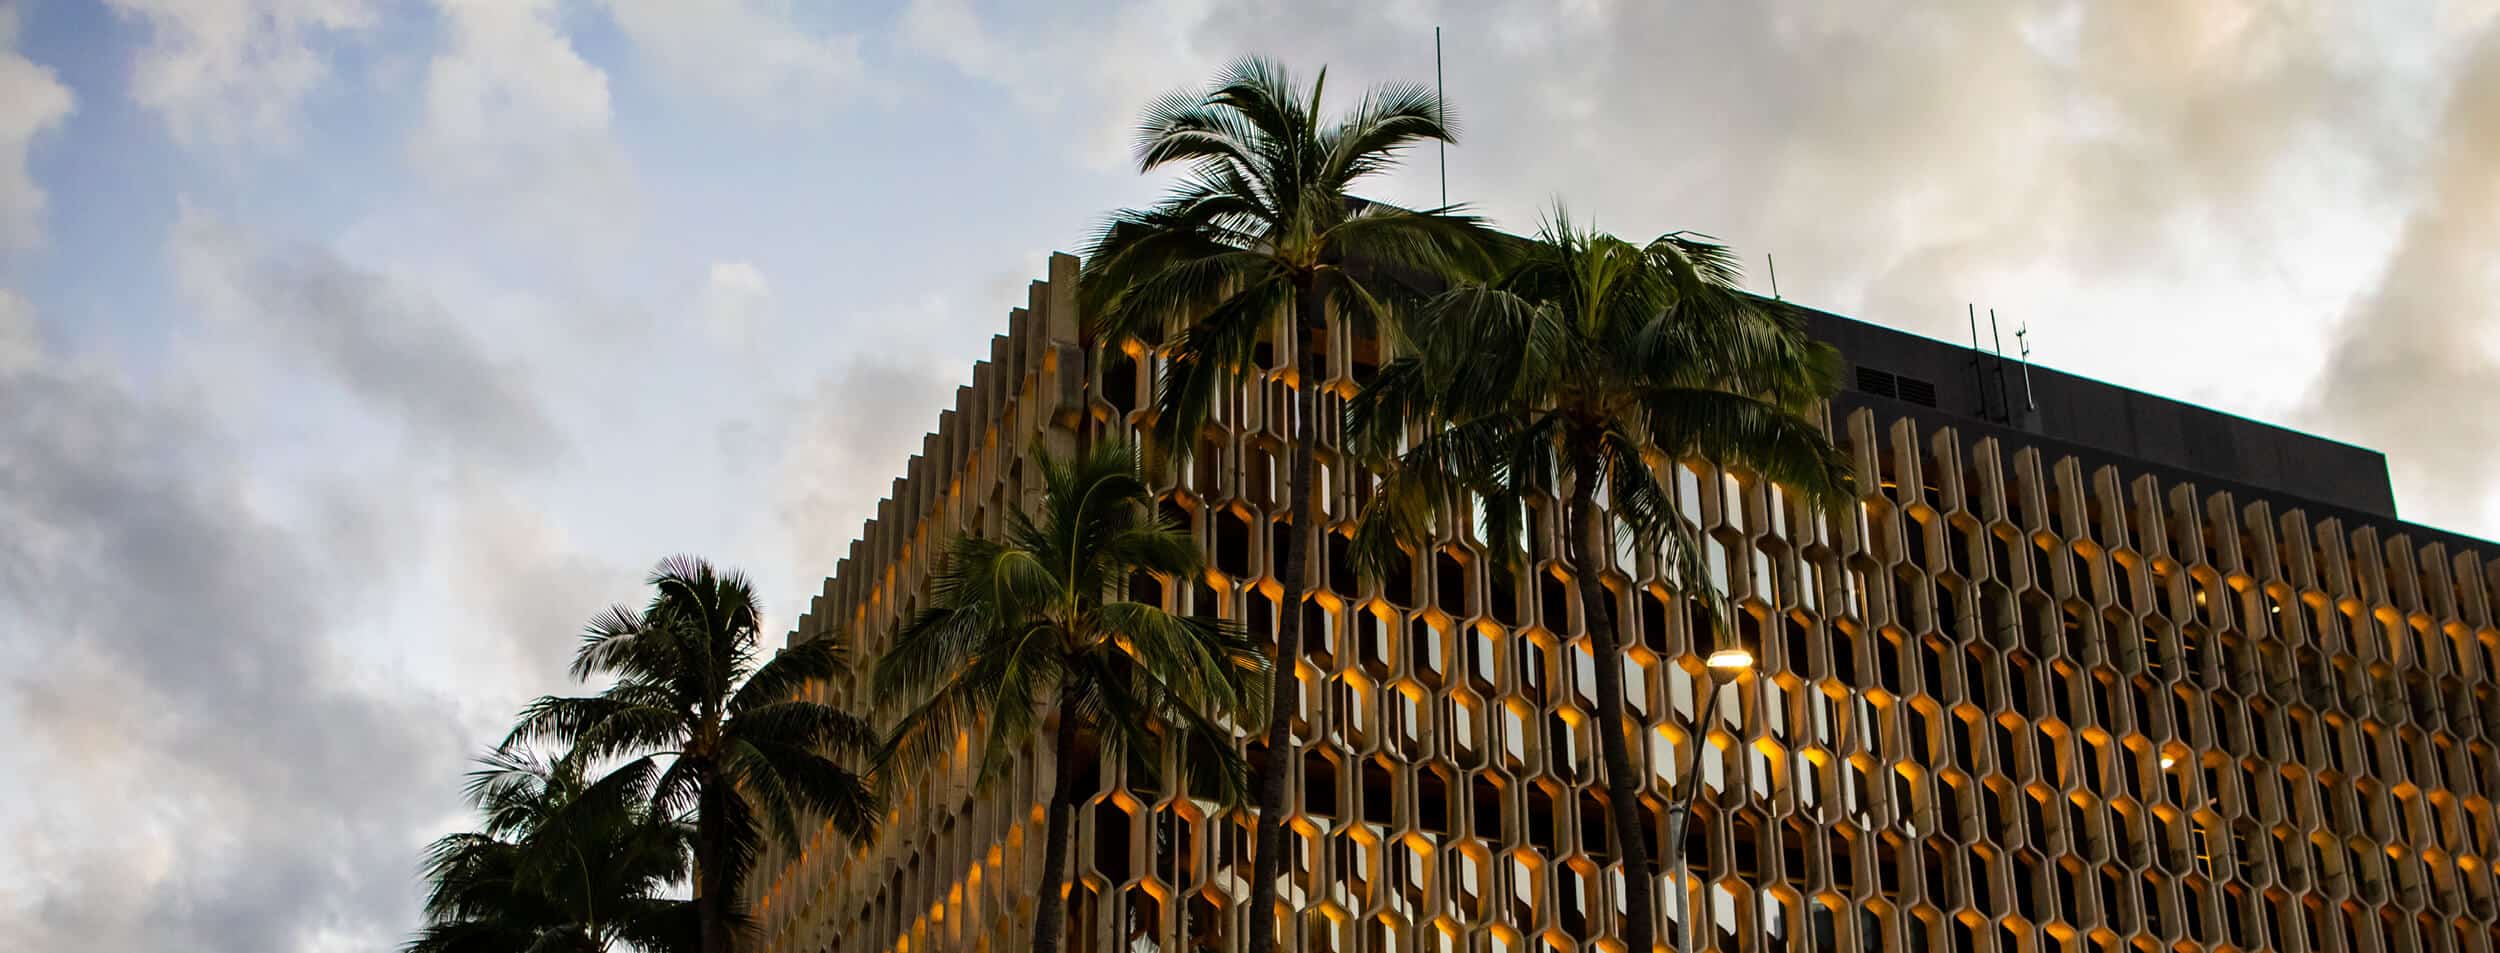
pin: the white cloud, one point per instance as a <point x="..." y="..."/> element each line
<point x="754" y="55"/>
<point x="1095" y="66"/>
<point x="32" y="100"/>
<point x="736" y="301"/>
<point x="517" y="122"/>
<point x="233" y="72"/>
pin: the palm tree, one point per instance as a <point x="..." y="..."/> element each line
<point x="1585" y="366"/>
<point x="561" y="864"/>
<point x="1262" y="227"/>
<point x="742" y="750"/>
<point x="1028" y="623"/>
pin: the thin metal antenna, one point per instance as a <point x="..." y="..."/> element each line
<point x="2022" y="339"/>
<point x="1978" y="375"/>
<point x="1441" y="94"/>
<point x="2003" y="399"/>
<point x="1775" y="275"/>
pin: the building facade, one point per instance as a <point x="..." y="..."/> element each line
<point x="2084" y="670"/>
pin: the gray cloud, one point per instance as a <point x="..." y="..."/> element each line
<point x="391" y="345"/>
<point x="2414" y="364"/>
<point x="847" y="443"/>
<point x="221" y="757"/>
<point x="208" y="772"/>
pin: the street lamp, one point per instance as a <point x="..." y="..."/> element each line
<point x="1729" y="659"/>
<point x="1730" y="649"/>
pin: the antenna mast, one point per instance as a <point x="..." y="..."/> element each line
<point x="1978" y="374"/>
<point x="1442" y="95"/>
<point x="2004" y="399"/>
<point x="1775" y="275"/>
<point x="2022" y="338"/>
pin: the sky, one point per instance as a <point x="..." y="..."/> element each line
<point x="353" y="353"/>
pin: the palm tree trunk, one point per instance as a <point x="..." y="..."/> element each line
<point x="1051" y="919"/>
<point x="1310" y="316"/>
<point x="1623" y="790"/>
<point x="713" y="890"/>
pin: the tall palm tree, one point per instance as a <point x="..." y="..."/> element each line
<point x="1262" y="227"/>
<point x="1583" y="368"/>
<point x="742" y="751"/>
<point x="1030" y="623"/>
<point x="561" y="864"/>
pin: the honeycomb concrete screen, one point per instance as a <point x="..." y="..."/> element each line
<point x="2029" y="693"/>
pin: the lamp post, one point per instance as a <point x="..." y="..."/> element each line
<point x="1729" y="659"/>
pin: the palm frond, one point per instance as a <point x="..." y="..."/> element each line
<point x="791" y="670"/>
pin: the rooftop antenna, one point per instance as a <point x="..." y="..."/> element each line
<point x="1978" y="376"/>
<point x="1775" y="274"/>
<point x="2022" y="338"/>
<point x="1440" y="94"/>
<point x="2004" y="400"/>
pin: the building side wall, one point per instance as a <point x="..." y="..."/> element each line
<point x="2006" y="702"/>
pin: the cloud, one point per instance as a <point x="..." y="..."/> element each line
<point x="517" y="124"/>
<point x="847" y="443"/>
<point x="206" y="771"/>
<point x="392" y="346"/>
<point x="2413" y="364"/>
<point x="32" y="102"/>
<point x="21" y="343"/>
<point x="736" y="300"/>
<point x="2108" y="173"/>
<point x="236" y="72"/>
<point x="753" y="55"/>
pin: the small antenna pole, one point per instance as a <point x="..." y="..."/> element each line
<point x="2022" y="339"/>
<point x="1441" y="94"/>
<point x="2003" y="399"/>
<point x="1978" y="377"/>
<point x="1775" y="275"/>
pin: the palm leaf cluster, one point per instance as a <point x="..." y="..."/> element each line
<point x="561" y="863"/>
<point x="1581" y="371"/>
<point x="1037" y="623"/>
<point x="1591" y="358"/>
<point x="1262" y="240"/>
<point x="710" y="740"/>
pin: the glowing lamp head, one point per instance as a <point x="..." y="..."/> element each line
<point x="1731" y="658"/>
<point x="2167" y="761"/>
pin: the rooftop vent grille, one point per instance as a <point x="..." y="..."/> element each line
<point x="1918" y="391"/>
<point x="1883" y="383"/>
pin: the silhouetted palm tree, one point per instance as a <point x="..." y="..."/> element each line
<point x="1032" y="622"/>
<point x="560" y="864"/>
<point x="740" y="750"/>
<point x="1585" y="366"/>
<point x="1262" y="228"/>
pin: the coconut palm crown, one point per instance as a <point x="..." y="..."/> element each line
<point x="1582" y="370"/>
<point x="561" y="864"/>
<point x="735" y="746"/>
<point x="1262" y="238"/>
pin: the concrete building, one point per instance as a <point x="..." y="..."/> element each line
<point x="2088" y="670"/>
